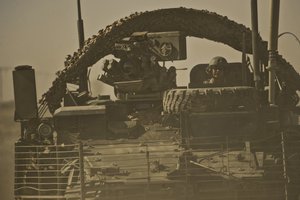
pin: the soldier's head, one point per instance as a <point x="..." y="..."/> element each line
<point x="216" y="67"/>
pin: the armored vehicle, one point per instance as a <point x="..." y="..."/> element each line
<point x="209" y="140"/>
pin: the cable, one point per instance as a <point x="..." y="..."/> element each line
<point x="290" y="33"/>
<point x="89" y="81"/>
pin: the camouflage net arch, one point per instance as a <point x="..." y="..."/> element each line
<point x="196" y="23"/>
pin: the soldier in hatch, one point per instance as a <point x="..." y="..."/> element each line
<point x="215" y="70"/>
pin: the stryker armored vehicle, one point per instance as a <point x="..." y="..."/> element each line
<point x="158" y="141"/>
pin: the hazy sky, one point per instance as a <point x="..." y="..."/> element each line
<point x="42" y="32"/>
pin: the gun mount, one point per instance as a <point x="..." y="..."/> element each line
<point x="139" y="71"/>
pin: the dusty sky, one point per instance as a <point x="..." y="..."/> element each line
<point x="42" y="33"/>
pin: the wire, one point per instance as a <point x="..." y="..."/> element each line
<point x="89" y="81"/>
<point x="290" y="33"/>
<point x="33" y="188"/>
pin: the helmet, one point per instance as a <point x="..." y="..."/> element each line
<point x="217" y="61"/>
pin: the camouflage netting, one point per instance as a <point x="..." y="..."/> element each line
<point x="196" y="23"/>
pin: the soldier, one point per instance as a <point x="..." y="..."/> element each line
<point x="215" y="70"/>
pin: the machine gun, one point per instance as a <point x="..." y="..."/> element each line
<point x="164" y="46"/>
<point x="138" y="70"/>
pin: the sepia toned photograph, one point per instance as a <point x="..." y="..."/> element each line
<point x="136" y="99"/>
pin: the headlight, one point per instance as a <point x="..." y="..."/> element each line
<point x="45" y="131"/>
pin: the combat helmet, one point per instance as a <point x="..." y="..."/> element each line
<point x="217" y="61"/>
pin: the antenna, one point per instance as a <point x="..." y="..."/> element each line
<point x="80" y="26"/>
<point x="83" y="84"/>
